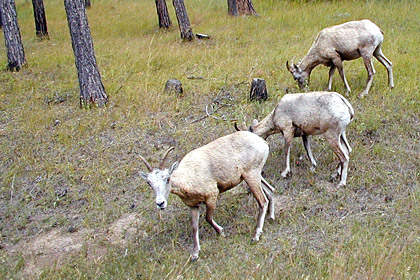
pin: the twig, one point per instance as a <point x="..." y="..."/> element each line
<point x="210" y="114"/>
<point x="12" y="187"/>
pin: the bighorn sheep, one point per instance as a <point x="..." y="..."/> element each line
<point x="311" y="113"/>
<point x="346" y="41"/>
<point x="212" y="169"/>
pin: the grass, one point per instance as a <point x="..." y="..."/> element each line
<point x="68" y="168"/>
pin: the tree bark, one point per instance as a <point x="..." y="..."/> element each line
<point x="1" y="20"/>
<point x="241" y="7"/>
<point x="92" y="90"/>
<point x="15" y="52"/>
<point x="183" y="21"/>
<point x="232" y="8"/>
<point x="40" y="19"/>
<point x="163" y="14"/>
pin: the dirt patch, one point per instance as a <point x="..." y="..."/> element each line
<point x="50" y="247"/>
<point x="283" y="203"/>
<point x="58" y="245"/>
<point x="126" y="229"/>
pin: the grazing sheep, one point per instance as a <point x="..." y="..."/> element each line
<point x="311" y="113"/>
<point x="206" y="172"/>
<point x="346" y="41"/>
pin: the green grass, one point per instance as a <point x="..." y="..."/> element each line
<point x="65" y="167"/>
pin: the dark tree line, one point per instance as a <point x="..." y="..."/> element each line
<point x="91" y="87"/>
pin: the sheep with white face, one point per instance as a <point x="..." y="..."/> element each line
<point x="207" y="171"/>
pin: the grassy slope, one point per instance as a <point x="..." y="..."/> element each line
<point x="370" y="229"/>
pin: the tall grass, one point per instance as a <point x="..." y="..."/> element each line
<point x="64" y="167"/>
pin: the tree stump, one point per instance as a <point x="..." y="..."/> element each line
<point x="258" y="90"/>
<point x="13" y="41"/>
<point x="92" y="90"/>
<point x="174" y="86"/>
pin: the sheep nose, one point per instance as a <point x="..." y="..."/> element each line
<point x="161" y="205"/>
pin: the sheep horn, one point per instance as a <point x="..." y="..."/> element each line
<point x="236" y="127"/>
<point x="149" y="167"/>
<point x="287" y="66"/>
<point x="162" y="161"/>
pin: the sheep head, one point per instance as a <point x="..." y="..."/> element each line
<point x="300" y="76"/>
<point x="159" y="179"/>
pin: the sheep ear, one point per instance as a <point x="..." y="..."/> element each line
<point x="254" y="122"/>
<point x="143" y="175"/>
<point x="173" y="167"/>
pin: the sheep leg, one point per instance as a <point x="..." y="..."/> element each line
<point x="346" y="143"/>
<point x="268" y="191"/>
<point x="334" y="142"/>
<point x="385" y="62"/>
<point x="307" y="144"/>
<point x="371" y="72"/>
<point x="194" y="223"/>
<point x="254" y="182"/>
<point x="288" y="137"/>
<point x="330" y="77"/>
<point x="210" y="207"/>
<point x="339" y="64"/>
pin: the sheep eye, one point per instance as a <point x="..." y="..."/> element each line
<point x="167" y="180"/>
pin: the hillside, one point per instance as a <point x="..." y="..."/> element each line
<point x="72" y="205"/>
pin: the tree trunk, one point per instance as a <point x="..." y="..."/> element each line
<point x="163" y="14"/>
<point x="1" y="20"/>
<point x="183" y="21"/>
<point x="15" y="53"/>
<point x="241" y="7"/>
<point x="92" y="90"/>
<point x="40" y="19"/>
<point x="87" y="4"/>
<point x="232" y="8"/>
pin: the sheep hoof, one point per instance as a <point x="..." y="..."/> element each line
<point x="341" y="185"/>
<point x="362" y="95"/>
<point x="254" y="241"/>
<point x="194" y="258"/>
<point x="285" y="174"/>
<point x="222" y="234"/>
<point x="334" y="177"/>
